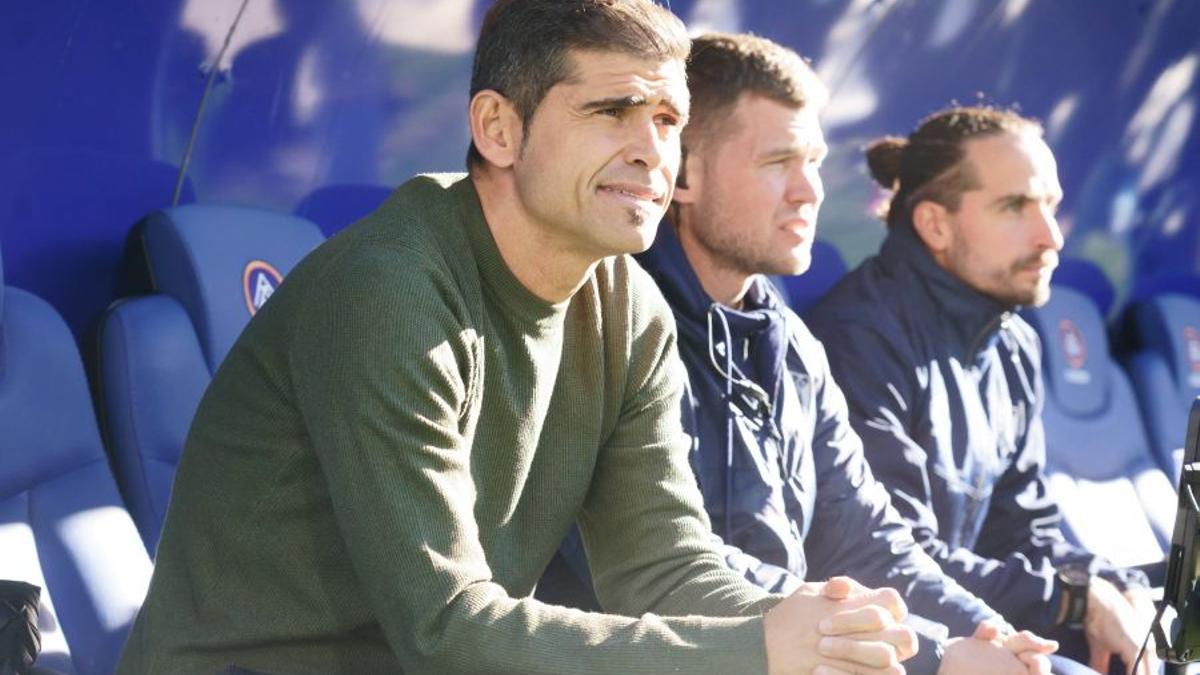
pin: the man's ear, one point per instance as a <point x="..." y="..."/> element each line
<point x="691" y="176"/>
<point x="932" y="223"/>
<point x="495" y="128"/>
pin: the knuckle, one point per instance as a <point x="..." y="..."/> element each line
<point x="908" y="641"/>
<point x="877" y="615"/>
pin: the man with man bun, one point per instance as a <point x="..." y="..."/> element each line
<point x="943" y="377"/>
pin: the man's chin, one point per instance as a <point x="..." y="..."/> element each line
<point x="1035" y="297"/>
<point x="637" y="238"/>
<point x="1039" y="297"/>
<point x="793" y="266"/>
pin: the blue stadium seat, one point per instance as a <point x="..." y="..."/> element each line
<point x="62" y="524"/>
<point x="1084" y="276"/>
<point x="1115" y="499"/>
<point x="803" y="290"/>
<point x="1165" y="369"/>
<point x="212" y="267"/>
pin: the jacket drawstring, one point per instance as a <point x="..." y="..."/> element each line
<point x="727" y="373"/>
<point x="731" y="378"/>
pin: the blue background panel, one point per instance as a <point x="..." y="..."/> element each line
<point x="318" y="107"/>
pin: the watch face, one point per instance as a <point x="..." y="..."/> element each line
<point x="1074" y="576"/>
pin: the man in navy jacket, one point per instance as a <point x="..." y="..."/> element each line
<point x="782" y="472"/>
<point x="943" y="378"/>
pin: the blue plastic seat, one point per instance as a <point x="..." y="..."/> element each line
<point x="1165" y="368"/>
<point x="212" y="268"/>
<point x="1115" y="499"/>
<point x="63" y="526"/>
<point x="804" y="290"/>
<point x="1084" y="276"/>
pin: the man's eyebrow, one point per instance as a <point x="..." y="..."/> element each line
<point x="619" y="102"/>
<point x="632" y="101"/>
<point x="798" y="150"/>
<point x="1005" y="199"/>
<point x="1026" y="197"/>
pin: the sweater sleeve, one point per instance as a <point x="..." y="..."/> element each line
<point x="643" y="524"/>
<point x="383" y="368"/>
<point x="883" y="399"/>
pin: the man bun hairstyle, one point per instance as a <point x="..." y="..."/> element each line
<point x="930" y="164"/>
<point x="883" y="160"/>
<point x="523" y="47"/>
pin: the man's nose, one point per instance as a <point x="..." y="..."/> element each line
<point x="1047" y="234"/>
<point x="649" y="145"/>
<point x="805" y="185"/>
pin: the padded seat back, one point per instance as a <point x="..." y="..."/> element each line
<point x="1165" y="369"/>
<point x="212" y="267"/>
<point x="1115" y="499"/>
<point x="63" y="526"/>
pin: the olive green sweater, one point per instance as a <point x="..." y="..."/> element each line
<point x="392" y="450"/>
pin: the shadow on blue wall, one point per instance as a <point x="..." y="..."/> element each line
<point x="319" y="108"/>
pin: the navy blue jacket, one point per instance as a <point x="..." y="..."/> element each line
<point x="782" y="472"/>
<point x="944" y="388"/>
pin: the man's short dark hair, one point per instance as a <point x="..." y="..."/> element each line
<point x="524" y="45"/>
<point x="930" y="164"/>
<point x="724" y="66"/>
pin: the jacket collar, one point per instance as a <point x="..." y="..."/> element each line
<point x="970" y="320"/>
<point x="760" y="320"/>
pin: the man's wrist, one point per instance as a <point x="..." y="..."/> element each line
<point x="1074" y="582"/>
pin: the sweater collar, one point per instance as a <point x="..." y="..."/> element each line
<point x="494" y="271"/>
<point x="970" y="320"/>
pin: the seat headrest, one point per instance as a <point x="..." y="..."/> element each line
<point x="333" y="207"/>
<point x="222" y="263"/>
<point x="1086" y="277"/>
<point x="827" y="268"/>
<point x="1170" y="325"/>
<point x="1165" y="283"/>
<point x="1075" y="358"/>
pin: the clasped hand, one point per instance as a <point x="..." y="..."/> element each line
<point x="839" y="627"/>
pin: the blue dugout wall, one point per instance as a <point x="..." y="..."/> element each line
<point x="315" y="107"/>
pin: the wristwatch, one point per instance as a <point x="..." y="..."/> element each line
<point x="1075" y="580"/>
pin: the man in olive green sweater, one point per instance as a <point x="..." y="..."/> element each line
<point x="394" y="447"/>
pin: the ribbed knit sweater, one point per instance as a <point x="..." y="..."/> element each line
<point x="393" y="449"/>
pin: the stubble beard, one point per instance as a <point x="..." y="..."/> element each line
<point x="1004" y="287"/>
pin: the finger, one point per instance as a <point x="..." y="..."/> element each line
<point x="830" y="670"/>
<point x="873" y="654"/>
<point x="1128" y="656"/>
<point x="1035" y="663"/>
<point x="902" y="639"/>
<point x="1098" y="658"/>
<point x="869" y="619"/>
<point x="847" y="668"/>
<point x="840" y="588"/>
<point x="1153" y="665"/>
<point x="1149" y="664"/>
<point x="1028" y="642"/>
<point x="891" y="600"/>
<point x="986" y="630"/>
